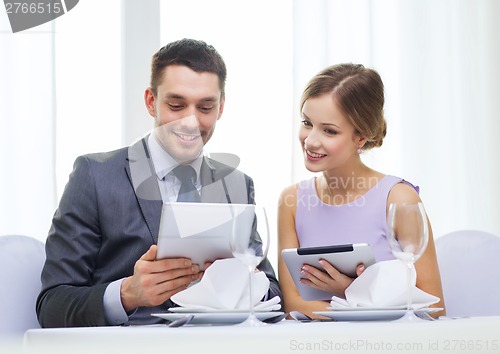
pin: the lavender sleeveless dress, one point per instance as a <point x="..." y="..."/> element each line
<point x="362" y="221"/>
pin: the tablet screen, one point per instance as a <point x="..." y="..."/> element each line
<point x="201" y="231"/>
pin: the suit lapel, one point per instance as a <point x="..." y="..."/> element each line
<point x="142" y="177"/>
<point x="213" y="189"/>
<point x="222" y="183"/>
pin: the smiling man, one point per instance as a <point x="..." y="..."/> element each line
<point x="185" y="106"/>
<point x="101" y="266"/>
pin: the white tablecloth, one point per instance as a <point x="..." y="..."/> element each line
<point x="467" y="335"/>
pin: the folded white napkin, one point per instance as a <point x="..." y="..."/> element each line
<point x="224" y="286"/>
<point x="383" y="284"/>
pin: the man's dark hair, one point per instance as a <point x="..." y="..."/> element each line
<point x="194" y="54"/>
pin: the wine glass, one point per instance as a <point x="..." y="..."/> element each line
<point x="407" y="235"/>
<point x="250" y="244"/>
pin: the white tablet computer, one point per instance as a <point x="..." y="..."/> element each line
<point x="345" y="258"/>
<point x="201" y="231"/>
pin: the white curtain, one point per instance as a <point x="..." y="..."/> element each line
<point x="88" y="69"/>
<point x="27" y="125"/>
<point x="437" y="58"/>
<point x="60" y="96"/>
<point x="449" y="81"/>
<point x="439" y="62"/>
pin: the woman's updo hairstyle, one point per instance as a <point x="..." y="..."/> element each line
<point x="359" y="93"/>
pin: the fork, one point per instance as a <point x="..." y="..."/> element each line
<point x="181" y="321"/>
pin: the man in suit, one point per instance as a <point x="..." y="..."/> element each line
<point x="101" y="266"/>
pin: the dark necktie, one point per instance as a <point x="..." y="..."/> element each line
<point x="188" y="191"/>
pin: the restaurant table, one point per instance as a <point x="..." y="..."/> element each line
<point x="464" y="335"/>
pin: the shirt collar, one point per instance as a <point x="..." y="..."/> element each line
<point x="164" y="163"/>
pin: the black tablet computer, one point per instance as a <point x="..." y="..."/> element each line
<point x="345" y="258"/>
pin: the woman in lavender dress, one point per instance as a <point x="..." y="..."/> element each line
<point x="342" y="115"/>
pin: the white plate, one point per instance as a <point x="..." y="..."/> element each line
<point x="369" y="315"/>
<point x="388" y="308"/>
<point x="217" y="317"/>
<point x="190" y="310"/>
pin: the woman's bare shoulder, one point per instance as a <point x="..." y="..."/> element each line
<point x="288" y="196"/>
<point x="403" y="193"/>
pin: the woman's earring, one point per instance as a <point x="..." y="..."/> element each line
<point x="359" y="150"/>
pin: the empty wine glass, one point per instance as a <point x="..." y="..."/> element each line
<point x="250" y="247"/>
<point x="407" y="235"/>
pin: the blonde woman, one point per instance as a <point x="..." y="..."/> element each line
<point x="341" y="116"/>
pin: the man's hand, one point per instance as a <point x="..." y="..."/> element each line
<point x="155" y="281"/>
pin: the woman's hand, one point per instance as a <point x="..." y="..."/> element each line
<point x="329" y="279"/>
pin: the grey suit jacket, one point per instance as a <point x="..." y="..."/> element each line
<point x="107" y="218"/>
